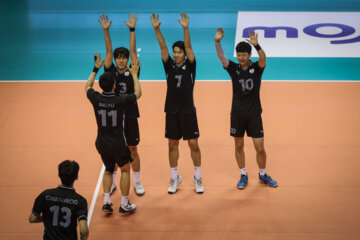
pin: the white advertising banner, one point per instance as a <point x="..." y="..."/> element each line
<point x="302" y="34"/>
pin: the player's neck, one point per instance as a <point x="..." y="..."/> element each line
<point x="122" y="70"/>
<point x="180" y="64"/>
<point x="67" y="186"/>
<point x="246" y="65"/>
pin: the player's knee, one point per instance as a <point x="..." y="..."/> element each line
<point x="125" y="168"/>
<point x="260" y="150"/>
<point x="194" y="146"/>
<point x="173" y="144"/>
<point x="239" y="146"/>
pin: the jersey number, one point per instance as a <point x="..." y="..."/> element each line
<point x="246" y="84"/>
<point x="66" y="219"/>
<point x="112" y="114"/>
<point x="178" y="78"/>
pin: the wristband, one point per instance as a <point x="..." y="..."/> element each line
<point x="257" y="47"/>
<point x="95" y="69"/>
<point x="132" y="29"/>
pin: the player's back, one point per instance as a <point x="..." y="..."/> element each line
<point x="61" y="207"/>
<point x="109" y="113"/>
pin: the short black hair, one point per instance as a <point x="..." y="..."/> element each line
<point x="68" y="172"/>
<point x="243" y="47"/>
<point x="121" y="52"/>
<point x="179" y="44"/>
<point x="107" y="81"/>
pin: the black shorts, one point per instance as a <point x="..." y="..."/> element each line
<point x="111" y="157"/>
<point x="251" y="124"/>
<point x="131" y="130"/>
<point x="181" y="126"/>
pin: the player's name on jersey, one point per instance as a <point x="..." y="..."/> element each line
<point x="106" y="105"/>
<point x="61" y="200"/>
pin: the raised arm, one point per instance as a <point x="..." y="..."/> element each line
<point x="135" y="65"/>
<point x="156" y="24"/>
<point x="254" y="41"/>
<point x="220" y="52"/>
<point x="184" y="22"/>
<point x="131" y="25"/>
<point x="105" y="24"/>
<point x="84" y="230"/>
<point x="98" y="64"/>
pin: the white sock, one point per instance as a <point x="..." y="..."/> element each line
<point x="136" y="177"/>
<point x="262" y="171"/>
<point x="243" y="171"/>
<point x="197" y="172"/>
<point x="174" y="173"/>
<point x="124" y="200"/>
<point x="107" y="198"/>
<point x="114" y="178"/>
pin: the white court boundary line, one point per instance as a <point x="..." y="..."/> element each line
<point x="96" y="192"/>
<point x="216" y="80"/>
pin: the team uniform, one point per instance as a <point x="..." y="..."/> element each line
<point x="181" y="120"/>
<point x="125" y="85"/>
<point x="246" y="106"/>
<point x="61" y="209"/>
<point x="109" y="112"/>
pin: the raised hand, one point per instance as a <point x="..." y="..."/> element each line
<point x="184" y="22"/>
<point x="132" y="20"/>
<point x="105" y="24"/>
<point x="253" y="38"/>
<point x="155" y="20"/>
<point x="98" y="62"/>
<point x="135" y="65"/>
<point x="219" y="34"/>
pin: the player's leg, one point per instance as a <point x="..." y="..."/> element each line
<point x="173" y="134"/>
<point x="190" y="129"/>
<point x="107" y="181"/>
<point x="126" y="206"/>
<point x="113" y="185"/>
<point x="237" y="131"/>
<point x="255" y="131"/>
<point x="133" y="137"/>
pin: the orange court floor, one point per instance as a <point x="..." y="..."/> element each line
<point x="312" y="140"/>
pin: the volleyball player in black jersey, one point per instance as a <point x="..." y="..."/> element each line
<point x="246" y="107"/>
<point x="125" y="85"/>
<point x="181" y="120"/>
<point x="61" y="208"/>
<point x="110" y="141"/>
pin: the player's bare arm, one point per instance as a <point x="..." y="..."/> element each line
<point x="161" y="40"/>
<point x="254" y="41"/>
<point x="84" y="230"/>
<point x="219" y="50"/>
<point x="134" y="70"/>
<point x="35" y="219"/>
<point x="184" y="22"/>
<point x="105" y="24"/>
<point x="98" y="64"/>
<point x="131" y="25"/>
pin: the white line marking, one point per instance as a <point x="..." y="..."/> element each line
<point x="96" y="192"/>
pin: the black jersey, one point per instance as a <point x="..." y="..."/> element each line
<point x="180" y="87"/>
<point x="246" y="89"/>
<point x="125" y="84"/>
<point x="109" y="111"/>
<point x="61" y="209"/>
